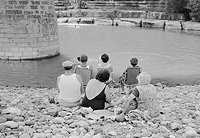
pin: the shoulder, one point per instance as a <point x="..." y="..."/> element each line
<point x="78" y="77"/>
<point x="99" y="65"/>
<point x="90" y="67"/>
<point x="58" y="79"/>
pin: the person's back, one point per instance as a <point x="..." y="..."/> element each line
<point x="97" y="92"/>
<point x="105" y="64"/>
<point x="123" y="77"/>
<point x="148" y="99"/>
<point x="83" y="61"/>
<point x="69" y="87"/>
<point x="97" y="102"/>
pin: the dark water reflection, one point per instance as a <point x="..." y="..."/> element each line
<point x="169" y="56"/>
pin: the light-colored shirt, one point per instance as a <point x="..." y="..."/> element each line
<point x="69" y="88"/>
<point x="148" y="99"/>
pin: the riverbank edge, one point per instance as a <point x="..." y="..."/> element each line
<point x="132" y="22"/>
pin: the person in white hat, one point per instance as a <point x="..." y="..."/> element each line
<point x="70" y="86"/>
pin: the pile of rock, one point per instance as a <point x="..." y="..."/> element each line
<point x="27" y="113"/>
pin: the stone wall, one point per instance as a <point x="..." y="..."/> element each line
<point x="105" y="14"/>
<point x="28" y="29"/>
<point x="150" y="5"/>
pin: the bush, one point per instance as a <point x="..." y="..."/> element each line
<point x="194" y="7"/>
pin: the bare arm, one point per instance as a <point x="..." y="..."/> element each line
<point x="120" y="101"/>
<point x="58" y="79"/>
<point x="81" y="82"/>
<point x="107" y="93"/>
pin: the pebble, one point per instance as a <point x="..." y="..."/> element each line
<point x="58" y="120"/>
<point x="25" y="135"/>
<point x="12" y="110"/>
<point x="9" y="117"/>
<point x="58" y="136"/>
<point x="175" y="126"/>
<point x="2" y="126"/>
<point x="63" y="113"/>
<point x="18" y="119"/>
<point x="3" y="120"/>
<point x="11" y="124"/>
<point x="29" y="123"/>
<point x="191" y="134"/>
<point x="42" y="119"/>
<point x="53" y="112"/>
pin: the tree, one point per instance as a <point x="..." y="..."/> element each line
<point x="194" y="7"/>
<point x="176" y="7"/>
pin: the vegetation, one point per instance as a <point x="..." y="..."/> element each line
<point x="178" y="7"/>
<point x="194" y="7"/>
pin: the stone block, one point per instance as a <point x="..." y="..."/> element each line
<point x="14" y="58"/>
<point x="18" y="54"/>
<point x="5" y="49"/>
<point x="10" y="35"/>
<point x="16" y="40"/>
<point x="14" y="49"/>
<point x="22" y="36"/>
<point x="4" y="30"/>
<point x="2" y="54"/>
<point x="33" y="45"/>
<point x="3" y="57"/>
<point x="26" y="49"/>
<point x="9" y="54"/>
<point x="30" y="54"/>
<point x="4" y="40"/>
<point x="54" y="43"/>
<point x="28" y="57"/>
<point x="9" y="44"/>
<point x="30" y="40"/>
<point x="35" y="50"/>
<point x="1" y="34"/>
<point x="23" y="44"/>
<point x="43" y="43"/>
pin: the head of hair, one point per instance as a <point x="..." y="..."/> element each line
<point x="67" y="68"/>
<point x="83" y="58"/>
<point x="103" y="75"/>
<point x="78" y="58"/>
<point x="105" y="58"/>
<point x="144" y="78"/>
<point x="134" y="61"/>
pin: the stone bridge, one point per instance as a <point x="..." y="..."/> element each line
<point x="28" y="29"/>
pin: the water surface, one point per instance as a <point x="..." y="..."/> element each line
<point x="168" y="56"/>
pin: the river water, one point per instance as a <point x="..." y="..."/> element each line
<point x="170" y="57"/>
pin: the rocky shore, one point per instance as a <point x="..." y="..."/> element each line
<point x="27" y="113"/>
<point x="134" y="22"/>
<point x="126" y="18"/>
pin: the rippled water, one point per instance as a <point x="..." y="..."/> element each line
<point x="169" y="56"/>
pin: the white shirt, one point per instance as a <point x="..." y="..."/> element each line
<point x="69" y="88"/>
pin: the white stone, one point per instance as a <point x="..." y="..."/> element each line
<point x="97" y="136"/>
<point x="58" y="136"/>
<point x="25" y="135"/>
<point x="62" y="113"/>
<point x="87" y="135"/>
<point x="58" y="120"/>
<point x="74" y="136"/>
<point x="191" y="134"/>
<point x="11" y="124"/>
<point x="113" y="133"/>
<point x="12" y="110"/>
<point x="175" y="126"/>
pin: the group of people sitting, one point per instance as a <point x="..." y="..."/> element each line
<point x="142" y="97"/>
